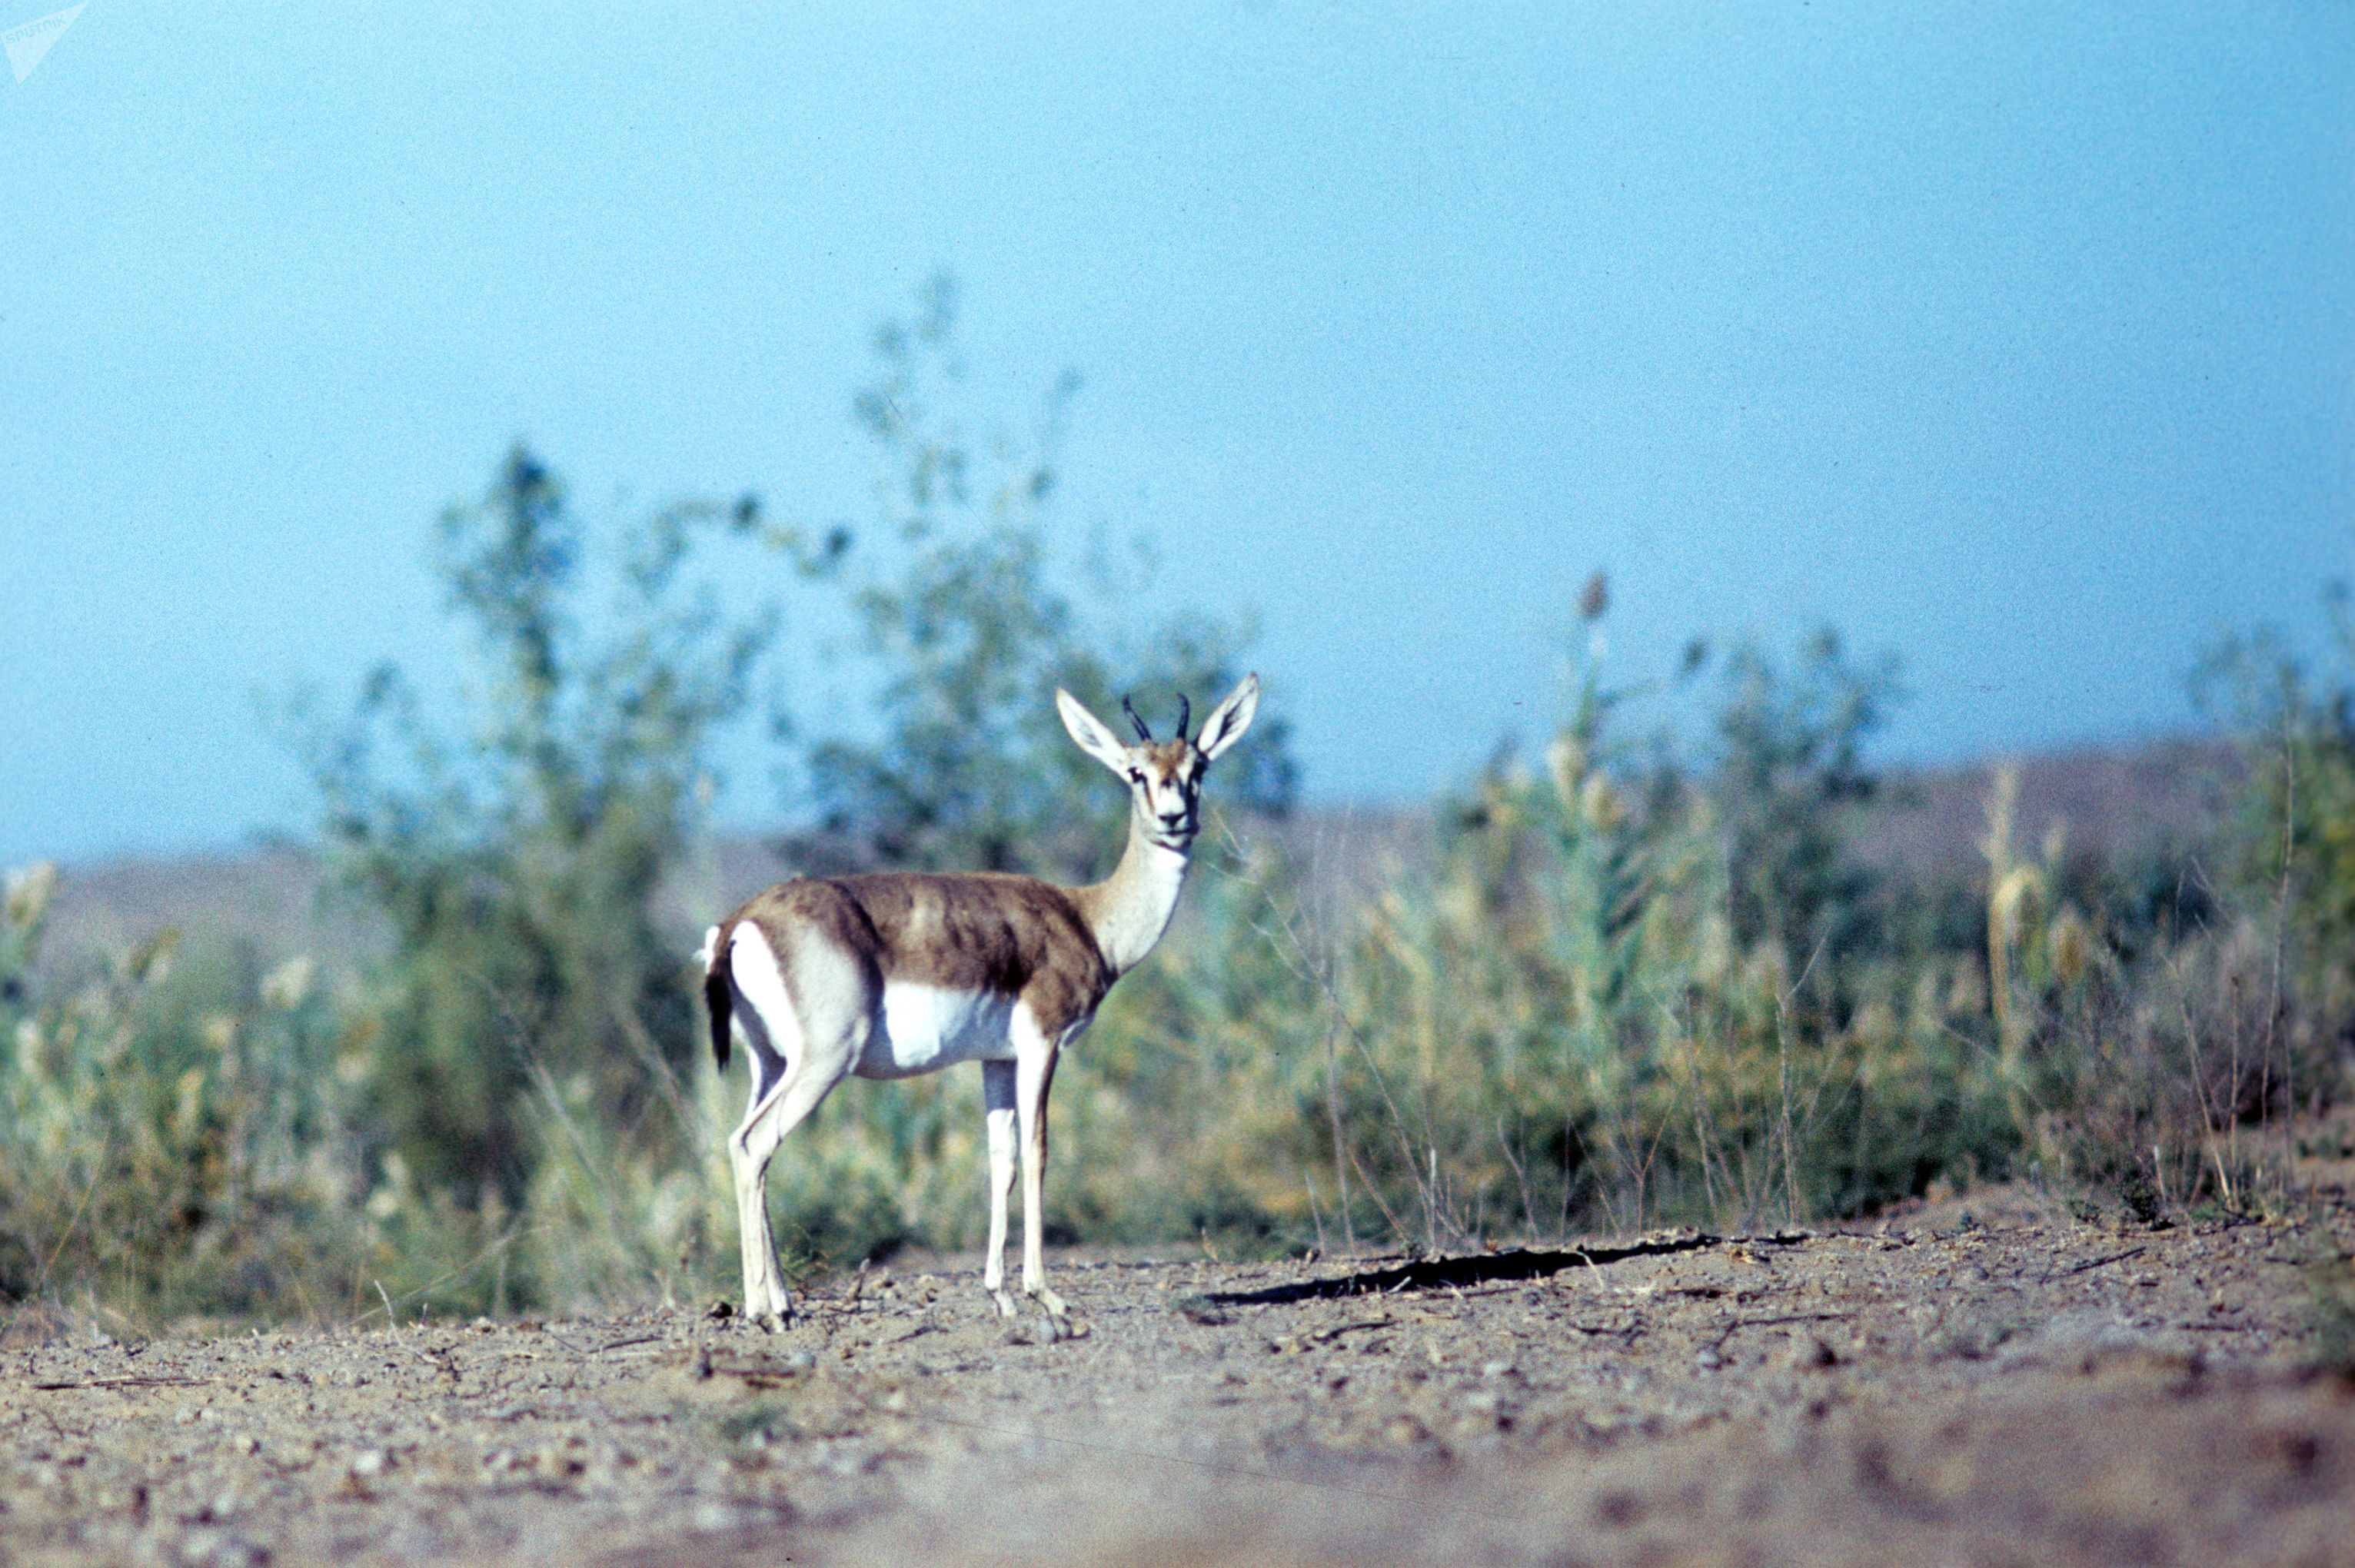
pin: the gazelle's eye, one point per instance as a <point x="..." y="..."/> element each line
<point x="1137" y="775"/>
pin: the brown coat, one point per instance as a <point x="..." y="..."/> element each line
<point x="976" y="931"/>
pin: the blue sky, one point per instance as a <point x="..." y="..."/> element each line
<point x="2018" y="339"/>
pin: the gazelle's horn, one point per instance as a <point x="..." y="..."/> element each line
<point x="1185" y="713"/>
<point x="1142" y="733"/>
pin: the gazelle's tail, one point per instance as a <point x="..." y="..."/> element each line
<point x="719" y="990"/>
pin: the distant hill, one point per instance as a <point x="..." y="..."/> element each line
<point x="268" y="896"/>
<point x="2110" y="800"/>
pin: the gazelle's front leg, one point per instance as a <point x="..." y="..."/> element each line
<point x="997" y="1105"/>
<point x="1034" y="1071"/>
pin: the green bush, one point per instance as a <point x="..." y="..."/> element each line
<point x="516" y="862"/>
<point x="2295" y="846"/>
<point x="174" y="1130"/>
<point x="967" y="624"/>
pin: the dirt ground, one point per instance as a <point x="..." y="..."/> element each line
<point x="1986" y="1382"/>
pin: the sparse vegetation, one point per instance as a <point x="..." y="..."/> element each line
<point x="173" y="1130"/>
<point x="1640" y="980"/>
<point x="1590" y="1013"/>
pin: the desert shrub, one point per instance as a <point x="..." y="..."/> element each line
<point x="516" y="861"/>
<point x="2215" y="1010"/>
<point x="174" y="1129"/>
<point x="1567" y="1021"/>
<point x="970" y="612"/>
<point x="1786" y="771"/>
<point x="520" y="1051"/>
<point x="2293" y="850"/>
<point x="1636" y="987"/>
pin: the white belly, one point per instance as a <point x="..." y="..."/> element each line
<point x="924" y="1028"/>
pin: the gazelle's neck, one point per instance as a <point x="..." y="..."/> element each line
<point x="1129" y="910"/>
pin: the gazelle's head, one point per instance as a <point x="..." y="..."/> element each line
<point x="1164" y="777"/>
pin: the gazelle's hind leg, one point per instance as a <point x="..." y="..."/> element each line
<point x="749" y="1150"/>
<point x="799" y="1053"/>
<point x="997" y="1103"/>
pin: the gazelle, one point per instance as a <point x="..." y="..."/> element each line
<point x="894" y="973"/>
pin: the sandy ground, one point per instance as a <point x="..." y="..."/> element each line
<point x="1990" y="1381"/>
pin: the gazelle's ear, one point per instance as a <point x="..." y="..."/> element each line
<point x="1094" y="738"/>
<point x="1230" y="719"/>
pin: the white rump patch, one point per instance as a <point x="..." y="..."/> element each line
<point x="772" y="1029"/>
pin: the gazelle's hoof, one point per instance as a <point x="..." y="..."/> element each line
<point x="1004" y="1303"/>
<point x="1050" y="1301"/>
<point x="772" y="1313"/>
